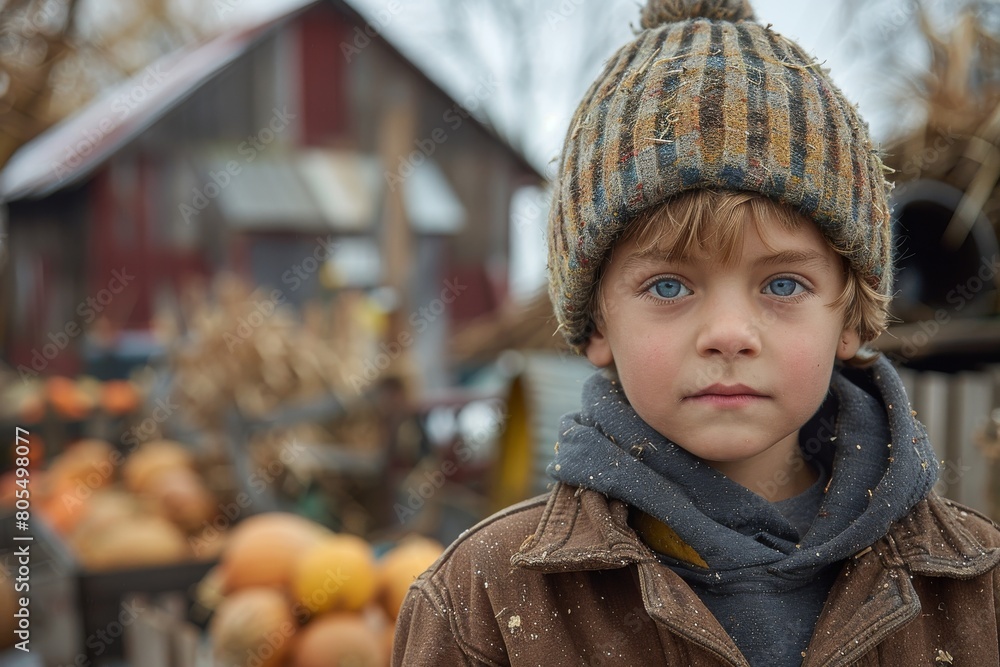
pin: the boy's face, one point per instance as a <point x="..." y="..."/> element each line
<point x="727" y="361"/>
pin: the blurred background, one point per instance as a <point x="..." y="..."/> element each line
<point x="273" y="295"/>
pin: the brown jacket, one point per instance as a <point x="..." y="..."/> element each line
<point x="563" y="580"/>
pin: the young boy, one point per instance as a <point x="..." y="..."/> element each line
<point x="744" y="484"/>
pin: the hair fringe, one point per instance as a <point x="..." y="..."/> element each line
<point x="712" y="221"/>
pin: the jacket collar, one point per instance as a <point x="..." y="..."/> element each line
<point x="933" y="540"/>
<point x="584" y="530"/>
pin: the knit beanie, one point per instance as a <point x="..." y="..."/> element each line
<point x="705" y="97"/>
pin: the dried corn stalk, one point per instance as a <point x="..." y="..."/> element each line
<point x="243" y="348"/>
<point x="959" y="142"/>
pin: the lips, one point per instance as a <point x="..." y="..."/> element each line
<point x="728" y="390"/>
<point x="727" y="396"/>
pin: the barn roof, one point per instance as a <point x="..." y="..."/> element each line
<point x="73" y="148"/>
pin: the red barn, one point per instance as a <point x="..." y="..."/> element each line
<point x="261" y="151"/>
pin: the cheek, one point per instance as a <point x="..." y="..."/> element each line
<point x="811" y="343"/>
<point x="649" y="353"/>
<point x="807" y="365"/>
<point x="806" y="369"/>
<point x="648" y="367"/>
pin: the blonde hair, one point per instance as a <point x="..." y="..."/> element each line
<point x="708" y="219"/>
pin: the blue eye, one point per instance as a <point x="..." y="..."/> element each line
<point x="669" y="288"/>
<point x="785" y="287"/>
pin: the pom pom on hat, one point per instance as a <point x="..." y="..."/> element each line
<point x="659" y="12"/>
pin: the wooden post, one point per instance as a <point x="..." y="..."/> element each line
<point x="397" y="131"/>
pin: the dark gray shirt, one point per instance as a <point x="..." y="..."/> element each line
<point x="801" y="510"/>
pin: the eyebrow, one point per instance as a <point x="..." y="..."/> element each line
<point x="791" y="257"/>
<point x="802" y="257"/>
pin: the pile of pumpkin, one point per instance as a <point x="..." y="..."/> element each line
<point x="146" y="509"/>
<point x="291" y="593"/>
<point x="68" y="399"/>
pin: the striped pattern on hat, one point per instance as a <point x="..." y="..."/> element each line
<point x="726" y="105"/>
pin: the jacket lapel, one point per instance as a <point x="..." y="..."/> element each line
<point x="867" y="603"/>
<point x="583" y="530"/>
<point x="874" y="595"/>
<point x="673" y="604"/>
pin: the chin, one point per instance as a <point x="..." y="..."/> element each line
<point x="726" y="452"/>
<point x="727" y="457"/>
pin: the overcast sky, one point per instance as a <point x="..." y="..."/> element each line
<point x="817" y="27"/>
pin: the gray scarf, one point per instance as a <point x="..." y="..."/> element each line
<point x="881" y="466"/>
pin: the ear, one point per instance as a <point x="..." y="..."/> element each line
<point x="599" y="348"/>
<point x="849" y="344"/>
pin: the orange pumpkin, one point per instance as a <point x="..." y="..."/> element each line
<point x="67" y="398"/>
<point x="339" y="640"/>
<point x="36" y="451"/>
<point x="401" y="566"/>
<point x="389" y="639"/>
<point x="180" y="495"/>
<point x="85" y="466"/>
<point x="152" y="459"/>
<point x="337" y="573"/>
<point x="139" y="542"/>
<point x="119" y="397"/>
<point x="31" y="409"/>
<point x="100" y="513"/>
<point x="252" y="627"/>
<point x="261" y="550"/>
<point x="63" y="502"/>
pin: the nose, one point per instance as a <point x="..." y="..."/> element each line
<point x="730" y="328"/>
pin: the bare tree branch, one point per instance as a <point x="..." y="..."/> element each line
<point x="41" y="41"/>
<point x="514" y="42"/>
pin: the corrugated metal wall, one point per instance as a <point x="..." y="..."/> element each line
<point x="955" y="408"/>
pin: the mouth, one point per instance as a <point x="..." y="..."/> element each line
<point x="727" y="395"/>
